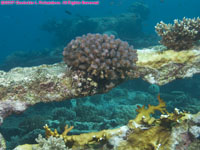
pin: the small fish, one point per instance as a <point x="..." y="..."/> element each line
<point x="68" y="12"/>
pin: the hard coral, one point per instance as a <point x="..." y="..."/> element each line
<point x="100" y="56"/>
<point x="52" y="143"/>
<point x="82" y="140"/>
<point x="50" y="133"/>
<point x="181" y="35"/>
<point x="100" y="59"/>
<point x="144" y="116"/>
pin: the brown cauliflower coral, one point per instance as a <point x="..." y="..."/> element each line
<point x="100" y="56"/>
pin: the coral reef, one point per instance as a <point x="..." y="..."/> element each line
<point x="32" y="122"/>
<point x="170" y="131"/>
<point x="183" y="100"/>
<point x="96" y="113"/>
<point x="113" y="61"/>
<point x="23" y="87"/>
<point x="127" y="25"/>
<point x="181" y="35"/>
<point x="85" y="115"/>
<point x="100" y="57"/>
<point x="52" y="143"/>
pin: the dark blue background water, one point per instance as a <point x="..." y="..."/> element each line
<point x="20" y="25"/>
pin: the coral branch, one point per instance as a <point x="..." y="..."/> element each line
<point x="144" y="116"/>
<point x="181" y="35"/>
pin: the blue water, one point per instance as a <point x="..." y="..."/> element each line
<point x="20" y="25"/>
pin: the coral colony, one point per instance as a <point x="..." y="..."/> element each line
<point x="94" y="64"/>
<point x="181" y="35"/>
<point x="100" y="57"/>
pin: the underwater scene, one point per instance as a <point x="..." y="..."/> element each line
<point x="100" y="75"/>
